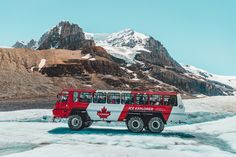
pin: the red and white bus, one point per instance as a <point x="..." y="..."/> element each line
<point x="138" y="109"/>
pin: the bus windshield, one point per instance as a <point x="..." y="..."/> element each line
<point x="62" y="98"/>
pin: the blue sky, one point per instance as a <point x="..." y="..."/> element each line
<point x="200" y="33"/>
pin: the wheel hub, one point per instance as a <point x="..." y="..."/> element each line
<point x="155" y="124"/>
<point x="135" y="124"/>
<point x="75" y="122"/>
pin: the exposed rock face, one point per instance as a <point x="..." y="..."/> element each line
<point x="143" y="48"/>
<point x="103" y="67"/>
<point x="151" y="61"/>
<point x="100" y="51"/>
<point x="62" y="70"/>
<point x="185" y="83"/>
<point x="100" y="67"/>
<point x="32" y="44"/>
<point x="21" y="77"/>
<point x="64" y="36"/>
<point x="159" y="55"/>
<point x="96" y="50"/>
<point x="16" y="80"/>
<point x="19" y="44"/>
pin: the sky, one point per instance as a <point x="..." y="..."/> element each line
<point x="201" y="33"/>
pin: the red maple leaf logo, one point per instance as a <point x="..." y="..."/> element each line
<point x="103" y="113"/>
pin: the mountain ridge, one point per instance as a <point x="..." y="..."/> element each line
<point x="136" y="61"/>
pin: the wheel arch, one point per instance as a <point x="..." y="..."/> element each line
<point x="82" y="113"/>
<point x="146" y="116"/>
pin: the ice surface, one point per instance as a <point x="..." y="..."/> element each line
<point x="211" y="104"/>
<point x="28" y="133"/>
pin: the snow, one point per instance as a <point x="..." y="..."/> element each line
<point x="211" y="104"/>
<point x="125" y="53"/>
<point x="88" y="36"/>
<point x="88" y="85"/>
<point x="54" y="139"/>
<point x="127" y="85"/>
<point x="125" y="36"/>
<point x="42" y="64"/>
<point x="59" y="30"/>
<point x="32" y="68"/>
<point x="127" y="70"/>
<point x="92" y="59"/>
<point x="135" y="77"/>
<point x="228" y="80"/>
<point x="25" y="115"/>
<point x="23" y="42"/>
<point x="32" y="133"/>
<point x="26" y="44"/>
<point x="152" y="78"/>
<point x="87" y="56"/>
<point x="124" y="44"/>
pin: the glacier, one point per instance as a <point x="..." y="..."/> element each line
<point x="32" y="133"/>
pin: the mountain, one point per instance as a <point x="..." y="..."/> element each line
<point x="32" y="44"/>
<point x="135" y="47"/>
<point x="126" y="60"/>
<point x="202" y="74"/>
<point x="65" y="35"/>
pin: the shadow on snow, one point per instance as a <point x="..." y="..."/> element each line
<point x="112" y="132"/>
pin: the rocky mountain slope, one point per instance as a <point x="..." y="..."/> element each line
<point x="124" y="60"/>
<point x="65" y="35"/>
<point x="205" y="75"/>
<point x="32" y="44"/>
<point x="138" y="48"/>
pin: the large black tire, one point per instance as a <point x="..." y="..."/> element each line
<point x="135" y="124"/>
<point x="146" y="128"/>
<point x="156" y="125"/>
<point x="88" y="124"/>
<point x="75" y="122"/>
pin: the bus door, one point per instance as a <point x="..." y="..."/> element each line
<point x="177" y="114"/>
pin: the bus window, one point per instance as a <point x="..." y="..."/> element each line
<point x="99" y="97"/>
<point x="170" y="100"/>
<point x="85" y="97"/>
<point x="113" y="98"/>
<point x="142" y="99"/>
<point x="127" y="98"/>
<point x="155" y="99"/>
<point x="75" y="96"/>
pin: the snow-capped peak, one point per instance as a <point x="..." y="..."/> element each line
<point x="197" y="71"/>
<point x="127" y="37"/>
<point x="124" y="44"/>
<point x="200" y="73"/>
